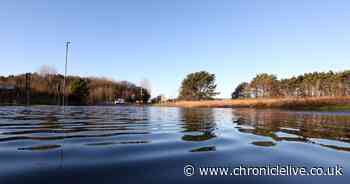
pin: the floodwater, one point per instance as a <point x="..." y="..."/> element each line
<point x="129" y="144"/>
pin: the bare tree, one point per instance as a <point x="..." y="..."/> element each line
<point x="46" y="70"/>
<point x="146" y="84"/>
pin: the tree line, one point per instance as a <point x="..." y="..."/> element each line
<point x="201" y="86"/>
<point x="316" y="84"/>
<point x="47" y="88"/>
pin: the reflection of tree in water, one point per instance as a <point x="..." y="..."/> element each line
<point x="50" y="122"/>
<point x="295" y="126"/>
<point x="36" y="121"/>
<point x="199" y="124"/>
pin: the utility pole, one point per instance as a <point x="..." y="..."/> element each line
<point x="28" y="89"/>
<point x="141" y="95"/>
<point x="65" y="73"/>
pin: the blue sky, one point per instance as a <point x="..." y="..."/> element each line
<point x="163" y="40"/>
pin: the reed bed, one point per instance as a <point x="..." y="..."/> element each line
<point x="284" y="103"/>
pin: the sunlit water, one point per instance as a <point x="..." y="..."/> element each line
<point x="153" y="144"/>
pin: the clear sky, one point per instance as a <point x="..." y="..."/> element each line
<point x="163" y="40"/>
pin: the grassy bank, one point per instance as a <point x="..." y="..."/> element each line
<point x="311" y="103"/>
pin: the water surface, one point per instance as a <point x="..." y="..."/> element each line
<point x="127" y="144"/>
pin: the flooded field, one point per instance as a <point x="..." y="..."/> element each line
<point x="127" y="144"/>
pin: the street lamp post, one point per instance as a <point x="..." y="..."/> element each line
<point x="65" y="73"/>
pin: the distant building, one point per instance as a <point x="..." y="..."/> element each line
<point x="163" y="99"/>
<point x="159" y="99"/>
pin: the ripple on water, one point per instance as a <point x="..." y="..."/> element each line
<point x="125" y="137"/>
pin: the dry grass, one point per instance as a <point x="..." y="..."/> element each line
<point x="286" y="103"/>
